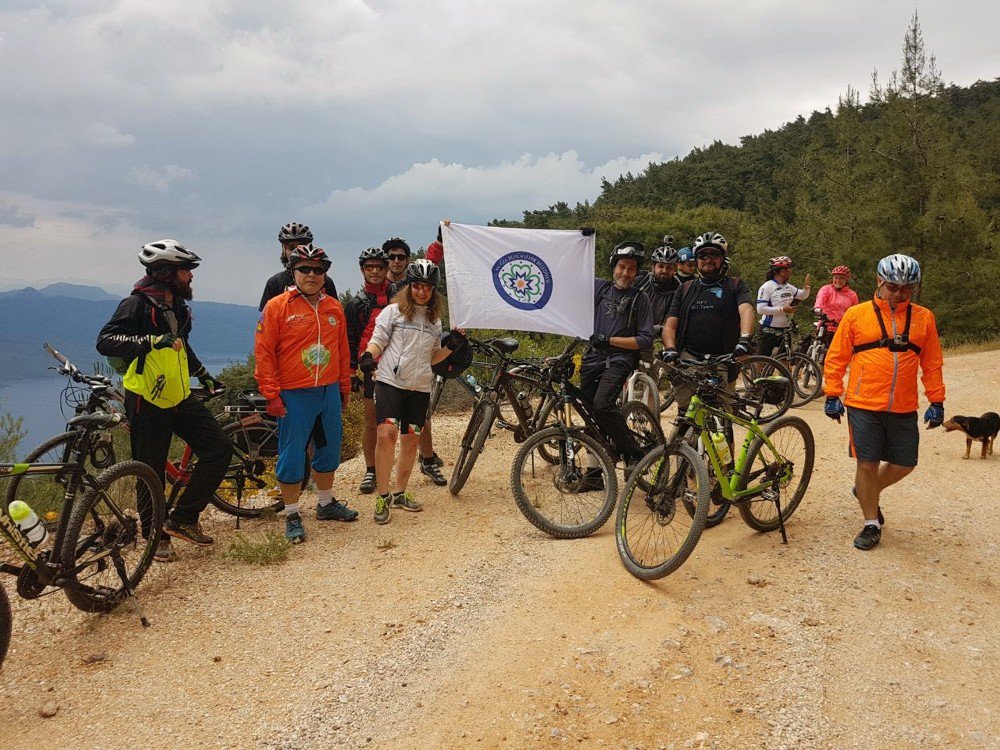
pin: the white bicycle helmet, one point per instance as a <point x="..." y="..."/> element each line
<point x="710" y="239"/>
<point x="167" y="253"/>
<point x="899" y="269"/>
<point x="423" y="271"/>
<point x="295" y="232"/>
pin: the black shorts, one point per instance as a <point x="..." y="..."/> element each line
<point x="405" y="409"/>
<point x="369" y="385"/>
<point x="883" y="436"/>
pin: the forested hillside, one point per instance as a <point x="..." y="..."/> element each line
<point x="914" y="169"/>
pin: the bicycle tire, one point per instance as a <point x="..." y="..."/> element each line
<point x="566" y="480"/>
<point x="97" y="587"/>
<point x="645" y="514"/>
<point x="254" y="461"/>
<point x="753" y="511"/>
<point x="480" y="424"/>
<point x="641" y="388"/>
<point x="644" y="424"/>
<point x="718" y="506"/>
<point x="436" y="389"/>
<point x="758" y="366"/>
<point x="6" y="621"/>
<point x="807" y="377"/>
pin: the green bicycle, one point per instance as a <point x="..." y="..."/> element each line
<point x="667" y="498"/>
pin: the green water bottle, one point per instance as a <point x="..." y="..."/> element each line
<point x="28" y="522"/>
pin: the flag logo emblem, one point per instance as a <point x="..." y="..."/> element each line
<point x="523" y="280"/>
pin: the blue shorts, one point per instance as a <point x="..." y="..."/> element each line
<point x="883" y="436"/>
<point x="312" y="413"/>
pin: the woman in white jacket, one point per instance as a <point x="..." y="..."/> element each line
<point x="406" y="341"/>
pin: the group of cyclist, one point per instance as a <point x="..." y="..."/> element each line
<point x="312" y="354"/>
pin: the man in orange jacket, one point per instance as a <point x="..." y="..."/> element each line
<point x="884" y="343"/>
<point x="304" y="372"/>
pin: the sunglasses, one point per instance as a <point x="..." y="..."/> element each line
<point x="373" y="267"/>
<point x="314" y="270"/>
<point x="899" y="288"/>
<point x="398" y="256"/>
<point x="709" y="254"/>
<point x="423" y="288"/>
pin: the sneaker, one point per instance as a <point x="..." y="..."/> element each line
<point x="868" y="538"/>
<point x="382" y="508"/>
<point x="593" y="481"/>
<point x="189" y="532"/>
<point x="405" y="501"/>
<point x="881" y="518"/>
<point x="630" y="464"/>
<point x="431" y="468"/>
<point x="295" y="532"/>
<point x="164" y="552"/>
<point x="368" y="483"/>
<point x="335" y="511"/>
<point x="435" y="459"/>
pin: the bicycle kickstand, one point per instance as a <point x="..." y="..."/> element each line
<point x="781" y="520"/>
<point x="120" y="567"/>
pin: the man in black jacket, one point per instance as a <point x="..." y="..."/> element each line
<point x="291" y="236"/>
<point x="148" y="326"/>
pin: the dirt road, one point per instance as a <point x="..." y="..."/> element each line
<point x="463" y="626"/>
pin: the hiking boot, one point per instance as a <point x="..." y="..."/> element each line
<point x="881" y="519"/>
<point x="382" y="508"/>
<point x="295" y="532"/>
<point x="593" y="481"/>
<point x="335" y="511"/>
<point x="431" y="468"/>
<point x="189" y="532"/>
<point x="164" y="552"/>
<point x="435" y="459"/>
<point x="405" y="501"/>
<point x="868" y="538"/>
<point x="368" y="483"/>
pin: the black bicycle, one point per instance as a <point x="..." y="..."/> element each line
<point x="96" y="547"/>
<point x="563" y="476"/>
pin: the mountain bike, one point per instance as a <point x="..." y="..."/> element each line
<point x="666" y="500"/>
<point x="563" y="476"/>
<point x="807" y="374"/>
<point x="101" y="530"/>
<point x="248" y="488"/>
<point x="815" y="344"/>
<point x="642" y="386"/>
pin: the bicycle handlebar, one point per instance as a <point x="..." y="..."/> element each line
<point x="68" y="368"/>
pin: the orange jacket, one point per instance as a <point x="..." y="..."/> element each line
<point x="881" y="380"/>
<point x="301" y="346"/>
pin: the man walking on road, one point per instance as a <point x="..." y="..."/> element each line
<point x="884" y="343"/>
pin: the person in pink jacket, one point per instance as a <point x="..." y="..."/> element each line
<point x="833" y="299"/>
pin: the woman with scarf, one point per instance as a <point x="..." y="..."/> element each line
<point x="148" y="334"/>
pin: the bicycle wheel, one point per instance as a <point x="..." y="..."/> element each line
<point x="475" y="436"/>
<point x="807" y="377"/>
<point x="718" y="507"/>
<point x="436" y="389"/>
<point x="561" y="499"/>
<point x="119" y="522"/>
<point x="644" y="423"/>
<point x="642" y="388"/>
<point x="6" y="619"/>
<point x="654" y="537"/>
<point x="791" y="462"/>
<point x="249" y="488"/>
<point x="751" y="384"/>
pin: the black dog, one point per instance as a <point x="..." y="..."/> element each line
<point x="984" y="429"/>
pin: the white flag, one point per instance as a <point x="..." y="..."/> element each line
<point x="520" y="279"/>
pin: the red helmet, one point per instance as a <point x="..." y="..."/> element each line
<point x="841" y="271"/>
<point x="782" y="261"/>
<point x="307" y="253"/>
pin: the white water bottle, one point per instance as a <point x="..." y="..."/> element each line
<point x="28" y="522"/>
<point x="471" y="380"/>
<point x="721" y="447"/>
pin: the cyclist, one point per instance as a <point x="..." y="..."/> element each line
<point x="687" y="265"/>
<point x="399" y="256"/>
<point x="623" y="327"/>
<point x="776" y="300"/>
<point x="659" y="284"/>
<point x="435" y="250"/>
<point x="361" y="312"/>
<point x="406" y="341"/>
<point x="833" y="299"/>
<point x="710" y="315"/>
<point x="291" y="236"/>
<point x="149" y="331"/>
<point x="884" y="343"/>
<point x="303" y="370"/>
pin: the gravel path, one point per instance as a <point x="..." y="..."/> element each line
<point x="463" y="626"/>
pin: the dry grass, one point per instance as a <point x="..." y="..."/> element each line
<point x="270" y="549"/>
<point x="988" y="345"/>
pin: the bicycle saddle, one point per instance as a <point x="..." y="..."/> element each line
<point x="507" y="346"/>
<point x="98" y="420"/>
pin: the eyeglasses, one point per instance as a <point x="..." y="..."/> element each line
<point x="398" y="256"/>
<point x="899" y="288"/>
<point x="314" y="270"/>
<point x="702" y="254"/>
<point x="422" y="288"/>
<point x="373" y="267"/>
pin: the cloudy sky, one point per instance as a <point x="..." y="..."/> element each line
<point x="216" y="122"/>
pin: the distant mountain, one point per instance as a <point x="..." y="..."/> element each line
<point x="29" y="318"/>
<point x="77" y="291"/>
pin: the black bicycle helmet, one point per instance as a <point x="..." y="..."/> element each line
<point x="394" y="243"/>
<point x="373" y="253"/>
<point x="295" y="232"/>
<point x="423" y="271"/>
<point x="633" y="250"/>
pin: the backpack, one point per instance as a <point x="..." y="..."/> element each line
<point x="606" y="290"/>
<point x="689" y="293"/>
